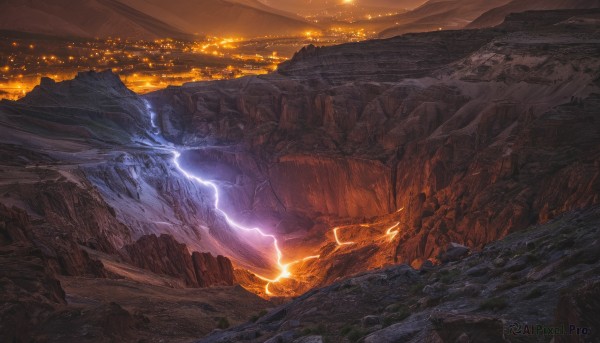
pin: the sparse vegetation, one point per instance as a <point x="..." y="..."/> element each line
<point x="355" y="334"/>
<point x="306" y="332"/>
<point x="535" y="293"/>
<point x="257" y="316"/>
<point x="472" y="263"/>
<point x="494" y="304"/>
<point x="396" y="317"/>
<point x="416" y="288"/>
<point x="507" y="285"/>
<point x="222" y="323"/>
<point x="448" y="276"/>
<point x="320" y="329"/>
<point x="345" y="329"/>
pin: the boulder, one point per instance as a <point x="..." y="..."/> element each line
<point x="454" y="252"/>
<point x="479" y="270"/>
<point x="371" y="320"/>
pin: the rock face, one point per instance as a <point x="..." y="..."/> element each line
<point x="307" y="184"/>
<point x="558" y="287"/>
<point x="211" y="271"/>
<point x="164" y="255"/>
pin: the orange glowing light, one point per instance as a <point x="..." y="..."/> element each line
<point x="284" y="272"/>
<point x="337" y="239"/>
<point x="391" y="232"/>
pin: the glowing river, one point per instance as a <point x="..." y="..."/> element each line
<point x="284" y="272"/>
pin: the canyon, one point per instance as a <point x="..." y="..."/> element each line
<point x="382" y="155"/>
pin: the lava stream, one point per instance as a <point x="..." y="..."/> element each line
<point x="391" y="232"/>
<point x="337" y="240"/>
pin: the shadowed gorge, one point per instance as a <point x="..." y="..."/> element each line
<point x="430" y="187"/>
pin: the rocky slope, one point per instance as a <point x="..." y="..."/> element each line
<point x="547" y="275"/>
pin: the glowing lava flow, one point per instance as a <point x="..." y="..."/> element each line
<point x="285" y="273"/>
<point x="390" y="231"/>
<point x="337" y="239"/>
<point x="393" y="233"/>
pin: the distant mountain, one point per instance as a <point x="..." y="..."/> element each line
<point x="247" y="18"/>
<point x="458" y="14"/>
<point x="496" y="16"/>
<point x="83" y="18"/>
<point x="304" y="7"/>
<point x="262" y="6"/>
<point x="148" y="19"/>
<point x="436" y="14"/>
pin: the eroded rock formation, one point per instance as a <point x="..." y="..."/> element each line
<point x="164" y="255"/>
<point x="466" y="135"/>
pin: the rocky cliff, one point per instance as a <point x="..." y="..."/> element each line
<point x="164" y="255"/>
<point x="458" y="136"/>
